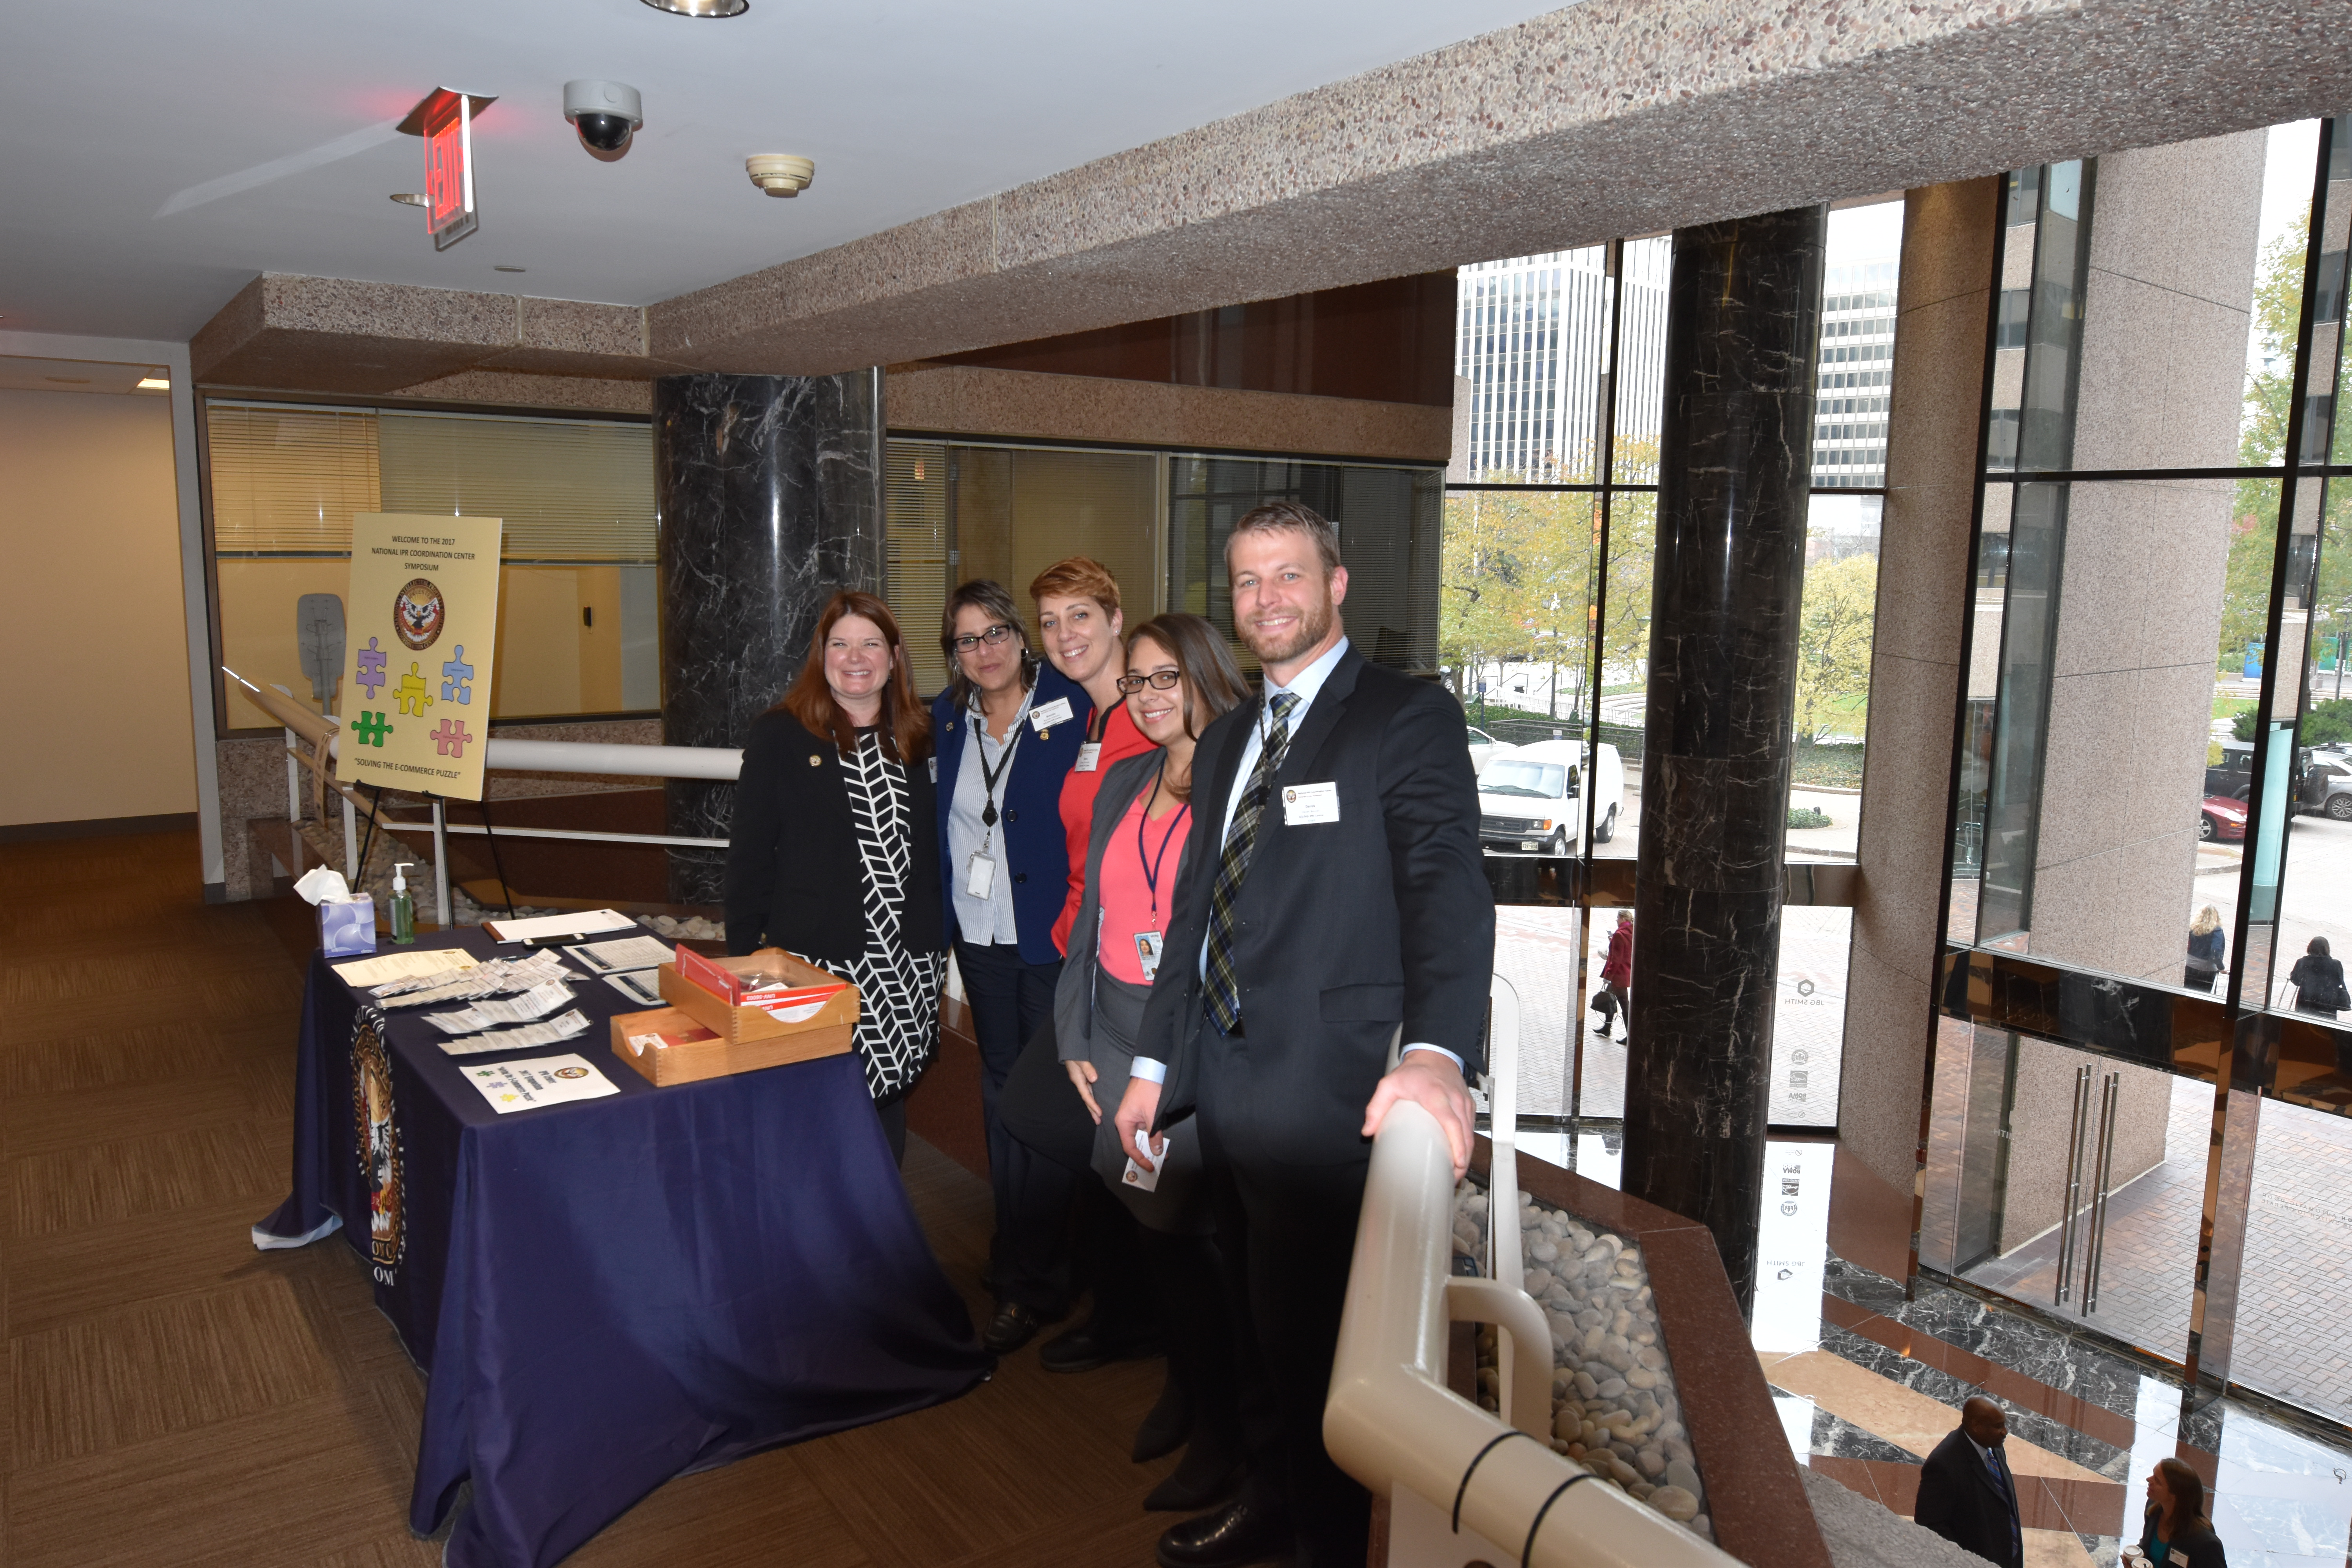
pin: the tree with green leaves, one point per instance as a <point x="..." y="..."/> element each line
<point x="1833" y="636"/>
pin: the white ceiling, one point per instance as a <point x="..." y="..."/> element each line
<point x="160" y="153"/>
<point x="22" y="375"/>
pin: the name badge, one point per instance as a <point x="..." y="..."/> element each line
<point x="980" y="876"/>
<point x="935" y="768"/>
<point x="1089" y="756"/>
<point x="1148" y="944"/>
<point x="1304" y="805"/>
<point x="1135" y="1175"/>
<point x="1058" y="712"/>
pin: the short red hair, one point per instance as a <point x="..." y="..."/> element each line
<point x="1077" y="577"/>
<point x="905" y="723"/>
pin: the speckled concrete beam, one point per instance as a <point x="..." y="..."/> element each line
<point x="332" y="334"/>
<point x="1614" y="117"/>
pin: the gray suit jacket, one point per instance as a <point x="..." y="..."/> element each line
<point x="1074" y="1011"/>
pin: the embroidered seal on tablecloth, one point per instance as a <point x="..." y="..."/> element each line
<point x="376" y="1136"/>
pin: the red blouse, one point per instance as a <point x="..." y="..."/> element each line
<point x="1079" y="787"/>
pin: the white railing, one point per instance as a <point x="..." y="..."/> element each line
<point x="319" y="732"/>
<point x="1461" y="1485"/>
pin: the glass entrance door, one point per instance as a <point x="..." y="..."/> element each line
<point x="2078" y="1183"/>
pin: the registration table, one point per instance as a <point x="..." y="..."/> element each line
<point x="607" y="1294"/>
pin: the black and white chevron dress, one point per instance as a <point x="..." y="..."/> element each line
<point x="899" y="991"/>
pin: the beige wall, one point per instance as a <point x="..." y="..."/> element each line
<point x="94" y="642"/>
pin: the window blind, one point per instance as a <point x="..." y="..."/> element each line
<point x="915" y="496"/>
<point x="568" y="490"/>
<point x="285" y="481"/>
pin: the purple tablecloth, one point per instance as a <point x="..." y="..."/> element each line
<point x="608" y="1293"/>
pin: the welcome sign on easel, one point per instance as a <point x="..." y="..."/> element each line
<point x="420" y="641"/>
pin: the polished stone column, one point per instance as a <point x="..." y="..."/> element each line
<point x="771" y="496"/>
<point x="1735" y="466"/>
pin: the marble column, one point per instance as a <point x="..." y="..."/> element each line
<point x="771" y="496"/>
<point x="1734" y="468"/>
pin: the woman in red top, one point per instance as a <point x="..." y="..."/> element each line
<point x="1078" y="615"/>
<point x="1617" y="971"/>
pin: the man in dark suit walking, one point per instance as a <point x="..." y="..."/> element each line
<point x="1966" y="1494"/>
<point x="1340" y="909"/>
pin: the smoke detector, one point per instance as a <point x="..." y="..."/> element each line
<point x="780" y="173"/>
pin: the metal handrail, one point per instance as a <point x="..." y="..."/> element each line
<point x="1392" y="1422"/>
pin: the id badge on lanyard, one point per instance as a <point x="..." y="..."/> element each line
<point x="980" y="873"/>
<point x="1148" y="944"/>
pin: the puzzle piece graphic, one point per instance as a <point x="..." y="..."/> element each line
<point x="369" y="729"/>
<point x="452" y="738"/>
<point x="457" y="678"/>
<point x="370" y="668"/>
<point x="415" y="696"/>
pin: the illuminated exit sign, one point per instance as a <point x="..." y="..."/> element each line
<point x="445" y="119"/>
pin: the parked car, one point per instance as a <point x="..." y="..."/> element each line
<point x="2322" y="781"/>
<point x="2222" y="817"/>
<point x="1531" y="798"/>
<point x="1482" y="749"/>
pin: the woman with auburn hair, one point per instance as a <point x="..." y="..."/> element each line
<point x="833" y="856"/>
<point x="1180" y="677"/>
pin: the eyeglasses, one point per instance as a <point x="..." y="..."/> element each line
<point x="992" y="636"/>
<point x="1159" y="681"/>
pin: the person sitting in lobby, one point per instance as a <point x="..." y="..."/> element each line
<point x="2174" y="1531"/>
<point x="1966" y="1494"/>
<point x="2318" y="980"/>
<point x="832" y="856"/>
<point x="1008" y="730"/>
<point x="1180" y="677"/>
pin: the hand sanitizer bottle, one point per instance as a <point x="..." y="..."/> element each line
<point x="403" y="907"/>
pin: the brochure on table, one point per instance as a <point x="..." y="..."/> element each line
<point x="539" y="1081"/>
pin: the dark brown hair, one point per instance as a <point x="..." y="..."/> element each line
<point x="1212" y="680"/>
<point x="2188" y="1489"/>
<point x="905" y="723"/>
<point x="1290" y="515"/>
<point x="990" y="596"/>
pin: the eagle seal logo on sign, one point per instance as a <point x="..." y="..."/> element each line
<point x="376" y="1137"/>
<point x="419" y="614"/>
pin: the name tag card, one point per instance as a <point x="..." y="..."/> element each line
<point x="1090" y="757"/>
<point x="1305" y="804"/>
<point x="1058" y="712"/>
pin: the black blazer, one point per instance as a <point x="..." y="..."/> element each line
<point x="1958" y="1502"/>
<point x="793" y="879"/>
<point x="1347" y="930"/>
<point x="2192" y="1545"/>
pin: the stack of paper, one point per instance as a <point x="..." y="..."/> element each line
<point x="536" y="1002"/>
<point x="557" y="928"/>
<point x="570" y="1025"/>
<point x="380" y="970"/>
<point x="491" y="979"/>
<point x="629" y="952"/>
<point x="639" y="986"/>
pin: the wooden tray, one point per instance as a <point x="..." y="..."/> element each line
<point x="741" y="1025"/>
<point x="718" y="1057"/>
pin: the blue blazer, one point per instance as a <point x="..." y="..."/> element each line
<point x="1032" y="848"/>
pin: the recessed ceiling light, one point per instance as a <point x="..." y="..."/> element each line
<point x="409" y="198"/>
<point x="510" y="270"/>
<point x="701" y="7"/>
<point x="154" y="384"/>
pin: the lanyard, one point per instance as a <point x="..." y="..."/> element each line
<point x="988" y="776"/>
<point x="1151" y="863"/>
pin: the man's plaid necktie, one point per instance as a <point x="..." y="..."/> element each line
<point x="1241" y="842"/>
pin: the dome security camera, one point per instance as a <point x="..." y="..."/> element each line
<point x="606" y="113"/>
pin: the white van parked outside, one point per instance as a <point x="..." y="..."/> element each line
<point x="1531" y="798"/>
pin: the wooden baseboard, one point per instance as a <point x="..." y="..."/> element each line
<point x="98" y="827"/>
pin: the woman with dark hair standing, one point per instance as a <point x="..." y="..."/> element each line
<point x="2318" y="981"/>
<point x="1178" y="678"/>
<point x="832" y="856"/>
<point x="1008" y="730"/>
<point x="2176" y="1533"/>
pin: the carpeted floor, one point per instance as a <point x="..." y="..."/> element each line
<point x="179" y="1398"/>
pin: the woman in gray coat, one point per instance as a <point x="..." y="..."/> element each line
<point x="1180" y="677"/>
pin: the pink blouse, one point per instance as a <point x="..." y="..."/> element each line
<point x="1139" y="883"/>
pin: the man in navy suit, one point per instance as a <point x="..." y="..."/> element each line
<point x="1966" y="1494"/>
<point x="1335" y="907"/>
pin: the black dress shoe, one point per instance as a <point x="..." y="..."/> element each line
<point x="1083" y="1350"/>
<point x="1234" y="1537"/>
<point x="1014" y="1326"/>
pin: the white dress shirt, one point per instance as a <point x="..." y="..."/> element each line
<point x="990" y="921"/>
<point x="1307" y="685"/>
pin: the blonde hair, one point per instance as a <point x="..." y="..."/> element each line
<point x="2209" y="919"/>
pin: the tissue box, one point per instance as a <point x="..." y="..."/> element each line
<point x="347" y="926"/>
